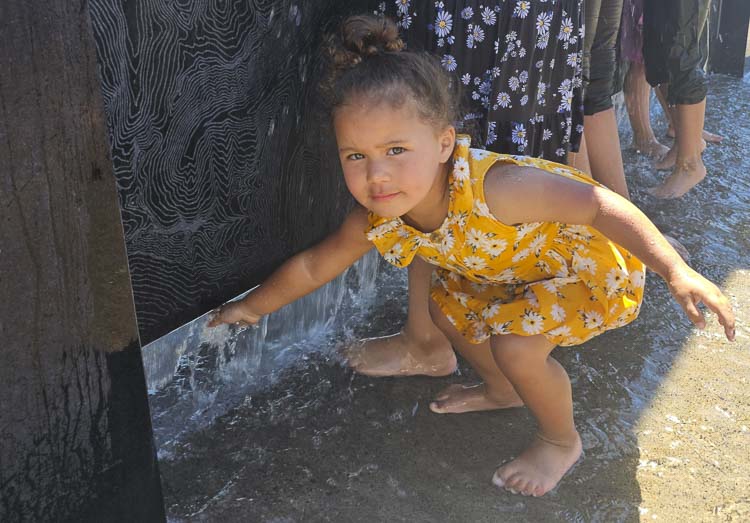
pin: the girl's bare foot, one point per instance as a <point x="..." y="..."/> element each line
<point x="651" y="148"/>
<point x="684" y="177"/>
<point x="398" y="355"/>
<point x="470" y="398"/>
<point x="540" y="467"/>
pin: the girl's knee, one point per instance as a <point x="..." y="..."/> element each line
<point x="517" y="354"/>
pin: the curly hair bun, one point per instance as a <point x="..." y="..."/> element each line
<point x="367" y="59"/>
<point x="362" y="37"/>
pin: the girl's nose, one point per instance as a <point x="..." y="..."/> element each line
<point x="376" y="172"/>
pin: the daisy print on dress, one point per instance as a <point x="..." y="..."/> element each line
<point x="485" y="44"/>
<point x="522" y="8"/>
<point x="537" y="290"/>
<point x="402" y="6"/>
<point x="532" y="322"/>
<point x="443" y="24"/>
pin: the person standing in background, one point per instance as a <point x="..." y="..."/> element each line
<point x="519" y="63"/>
<point x="637" y="90"/>
<point x="600" y="153"/>
<point x="674" y="51"/>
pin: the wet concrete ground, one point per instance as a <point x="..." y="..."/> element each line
<point x="663" y="409"/>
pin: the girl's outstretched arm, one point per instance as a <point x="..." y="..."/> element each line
<point x="302" y="273"/>
<point x="525" y="194"/>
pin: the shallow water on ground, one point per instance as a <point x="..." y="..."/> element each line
<point x="663" y="409"/>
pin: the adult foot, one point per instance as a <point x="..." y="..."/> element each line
<point x="712" y="137"/>
<point x="399" y="355"/>
<point x="651" y="148"/>
<point x="684" y="177"/>
<point x="668" y="160"/>
<point x="471" y="398"/>
<point x="707" y="135"/>
<point x="540" y="467"/>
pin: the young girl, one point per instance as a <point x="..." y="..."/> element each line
<point x="527" y="254"/>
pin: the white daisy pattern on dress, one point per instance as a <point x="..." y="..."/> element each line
<point x="485" y="44"/>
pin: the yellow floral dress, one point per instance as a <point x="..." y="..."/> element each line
<point x="567" y="282"/>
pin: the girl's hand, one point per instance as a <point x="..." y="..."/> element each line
<point x="235" y="312"/>
<point x="690" y="289"/>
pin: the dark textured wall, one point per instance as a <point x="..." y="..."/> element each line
<point x="223" y="162"/>
<point x="729" y="21"/>
<point x="75" y="433"/>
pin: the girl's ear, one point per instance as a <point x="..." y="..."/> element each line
<point x="447" y="140"/>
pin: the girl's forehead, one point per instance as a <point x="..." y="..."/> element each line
<point x="403" y="109"/>
<point x="379" y="124"/>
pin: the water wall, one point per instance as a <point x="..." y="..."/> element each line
<point x="225" y="166"/>
<point x="222" y="159"/>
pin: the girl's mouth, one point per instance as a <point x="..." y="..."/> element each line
<point x="384" y="197"/>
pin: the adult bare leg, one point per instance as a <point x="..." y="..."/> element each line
<point x="707" y="136"/>
<point x="580" y="160"/>
<point x="668" y="161"/>
<point x="603" y="146"/>
<point x="544" y="386"/>
<point x="638" y="102"/>
<point x="689" y="169"/>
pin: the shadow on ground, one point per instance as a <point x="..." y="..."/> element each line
<point x="663" y="409"/>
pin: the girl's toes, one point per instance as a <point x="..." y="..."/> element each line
<point x="436" y="407"/>
<point x="525" y="488"/>
<point x="497" y="480"/>
<point x="446" y="393"/>
<point x="514" y="482"/>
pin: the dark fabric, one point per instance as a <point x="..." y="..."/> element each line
<point x="600" y="54"/>
<point x="675" y="47"/>
<point x="519" y="64"/>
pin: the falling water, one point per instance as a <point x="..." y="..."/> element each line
<point x="196" y="372"/>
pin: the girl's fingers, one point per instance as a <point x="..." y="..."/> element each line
<point x="692" y="312"/>
<point x="720" y="305"/>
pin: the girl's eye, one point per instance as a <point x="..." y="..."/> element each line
<point x="393" y="151"/>
<point x="355" y="156"/>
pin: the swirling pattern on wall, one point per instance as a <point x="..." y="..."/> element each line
<point x="223" y="162"/>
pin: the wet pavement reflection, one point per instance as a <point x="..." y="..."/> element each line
<point x="663" y="409"/>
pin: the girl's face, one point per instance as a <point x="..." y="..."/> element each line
<point x="393" y="161"/>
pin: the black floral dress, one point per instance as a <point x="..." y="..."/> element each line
<point x="519" y="62"/>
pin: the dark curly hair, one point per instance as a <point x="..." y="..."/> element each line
<point x="368" y="59"/>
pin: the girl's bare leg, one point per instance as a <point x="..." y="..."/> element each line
<point x="544" y="386"/>
<point x="689" y="169"/>
<point x="495" y="392"/>
<point x="419" y="349"/>
<point x="638" y="102"/>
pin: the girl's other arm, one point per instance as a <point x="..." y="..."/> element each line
<point x="301" y="274"/>
<point x="526" y="194"/>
